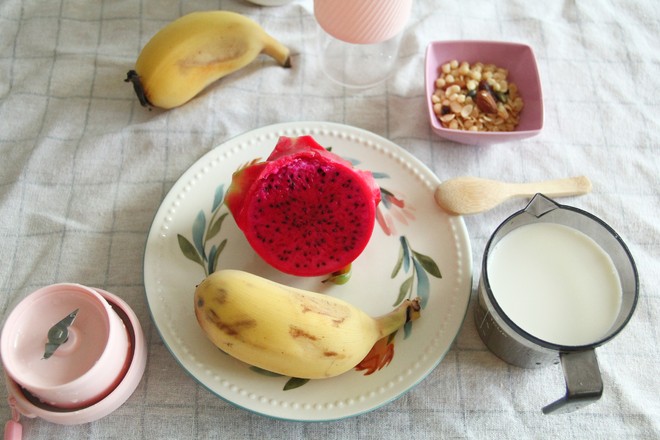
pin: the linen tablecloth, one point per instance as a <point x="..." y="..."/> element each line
<point x="85" y="167"/>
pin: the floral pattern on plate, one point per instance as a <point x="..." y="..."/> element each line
<point x="204" y="251"/>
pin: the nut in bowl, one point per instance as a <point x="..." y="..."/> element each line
<point x="514" y="63"/>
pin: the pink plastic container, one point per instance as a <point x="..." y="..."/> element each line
<point x="90" y="375"/>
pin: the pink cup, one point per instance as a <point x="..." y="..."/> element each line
<point x="82" y="370"/>
<point x="362" y="21"/>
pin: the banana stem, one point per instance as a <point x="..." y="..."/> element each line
<point x="133" y="77"/>
<point x="409" y="310"/>
<point x="277" y="50"/>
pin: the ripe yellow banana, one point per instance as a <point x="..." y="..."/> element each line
<point x="195" y="50"/>
<point x="289" y="331"/>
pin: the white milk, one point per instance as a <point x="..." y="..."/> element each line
<point x="555" y="283"/>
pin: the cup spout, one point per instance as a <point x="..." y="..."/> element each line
<point x="540" y="205"/>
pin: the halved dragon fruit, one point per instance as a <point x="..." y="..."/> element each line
<point x="305" y="210"/>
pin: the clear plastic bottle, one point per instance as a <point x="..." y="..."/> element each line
<point x="359" y="40"/>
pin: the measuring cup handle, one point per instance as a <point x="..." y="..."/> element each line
<point x="583" y="382"/>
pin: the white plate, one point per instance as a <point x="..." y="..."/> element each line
<point x="170" y="277"/>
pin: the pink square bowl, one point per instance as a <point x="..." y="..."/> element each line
<point x="517" y="58"/>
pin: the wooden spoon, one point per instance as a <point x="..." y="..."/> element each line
<point x="470" y="195"/>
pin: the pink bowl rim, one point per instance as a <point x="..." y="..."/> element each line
<point x="91" y="382"/>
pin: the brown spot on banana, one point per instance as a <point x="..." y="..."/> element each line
<point x="338" y="322"/>
<point x="311" y="340"/>
<point x="323" y="307"/>
<point x="231" y="329"/>
<point x="220" y="296"/>
<point x="297" y="332"/>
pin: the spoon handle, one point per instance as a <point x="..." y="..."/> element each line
<point x="571" y="186"/>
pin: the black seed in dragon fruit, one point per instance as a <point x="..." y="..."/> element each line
<point x="305" y="210"/>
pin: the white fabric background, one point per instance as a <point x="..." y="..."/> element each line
<point x="84" y="169"/>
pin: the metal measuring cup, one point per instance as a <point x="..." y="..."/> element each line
<point x="516" y="346"/>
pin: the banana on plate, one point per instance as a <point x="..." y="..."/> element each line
<point x="290" y="331"/>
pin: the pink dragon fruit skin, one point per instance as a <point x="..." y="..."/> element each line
<point x="305" y="210"/>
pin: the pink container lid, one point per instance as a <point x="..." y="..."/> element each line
<point x="23" y="402"/>
<point x="362" y="21"/>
